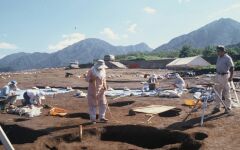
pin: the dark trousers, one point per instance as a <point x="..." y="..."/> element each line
<point x="26" y="99"/>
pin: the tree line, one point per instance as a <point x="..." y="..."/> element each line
<point x="185" y="51"/>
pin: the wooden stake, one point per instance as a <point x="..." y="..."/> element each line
<point x="150" y="117"/>
<point x="80" y="133"/>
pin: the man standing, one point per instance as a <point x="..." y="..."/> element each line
<point x="96" y="91"/>
<point x="224" y="68"/>
<point x="8" y="93"/>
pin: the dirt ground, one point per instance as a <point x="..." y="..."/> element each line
<point x="123" y="131"/>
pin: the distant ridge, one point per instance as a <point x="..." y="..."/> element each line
<point x="224" y="31"/>
<point x="84" y="52"/>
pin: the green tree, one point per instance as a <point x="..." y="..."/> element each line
<point x="185" y="51"/>
<point x="209" y="51"/>
<point x="237" y="65"/>
<point x="188" y="51"/>
<point x="232" y="52"/>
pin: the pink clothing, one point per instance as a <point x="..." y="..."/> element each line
<point x="96" y="90"/>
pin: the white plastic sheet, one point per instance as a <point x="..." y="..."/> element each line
<point x="115" y="93"/>
<point x="48" y="91"/>
<point x="26" y="111"/>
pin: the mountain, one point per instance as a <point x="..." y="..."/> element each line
<point x="22" y="61"/>
<point x="141" y="47"/>
<point x="224" y="31"/>
<point x="234" y="46"/>
<point x="84" y="51"/>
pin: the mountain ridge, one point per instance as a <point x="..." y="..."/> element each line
<point x="224" y="31"/>
<point x="84" y="51"/>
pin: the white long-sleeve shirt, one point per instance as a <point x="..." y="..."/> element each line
<point x="6" y="91"/>
<point x="34" y="96"/>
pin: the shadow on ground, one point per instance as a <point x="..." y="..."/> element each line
<point x="194" y="122"/>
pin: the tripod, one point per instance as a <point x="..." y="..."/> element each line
<point x="205" y="97"/>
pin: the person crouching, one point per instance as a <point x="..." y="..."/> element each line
<point x="96" y="78"/>
<point x="8" y="92"/>
<point x="32" y="98"/>
<point x="179" y="83"/>
<point x="152" y="81"/>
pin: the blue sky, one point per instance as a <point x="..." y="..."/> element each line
<point x="50" y="25"/>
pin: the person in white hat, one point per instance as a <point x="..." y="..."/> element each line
<point x="33" y="97"/>
<point x="225" y="70"/>
<point x="153" y="79"/>
<point x="179" y="82"/>
<point x="8" y="92"/>
<point x="96" y="78"/>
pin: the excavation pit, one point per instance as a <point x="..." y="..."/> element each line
<point x="68" y="138"/>
<point x="142" y="136"/>
<point x="121" y="104"/>
<point x="80" y="115"/>
<point x="200" y="136"/>
<point x="21" y="119"/>
<point x="171" y="113"/>
<point x="22" y="135"/>
<point x="148" y="137"/>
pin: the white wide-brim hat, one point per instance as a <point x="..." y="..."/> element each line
<point x="13" y="82"/>
<point x="100" y="64"/>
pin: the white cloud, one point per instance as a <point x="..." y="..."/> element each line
<point x="149" y="10"/>
<point x="132" y="28"/>
<point x="231" y="8"/>
<point x="108" y="32"/>
<point x="67" y="40"/>
<point x="4" y="45"/>
<point x="183" y="1"/>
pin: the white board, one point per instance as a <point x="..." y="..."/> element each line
<point x="153" y="109"/>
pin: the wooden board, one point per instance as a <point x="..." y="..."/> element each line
<point x="153" y="109"/>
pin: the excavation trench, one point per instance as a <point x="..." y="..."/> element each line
<point x="22" y="135"/>
<point x="148" y="137"/>
<point x="141" y="136"/>
<point x="200" y="136"/>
